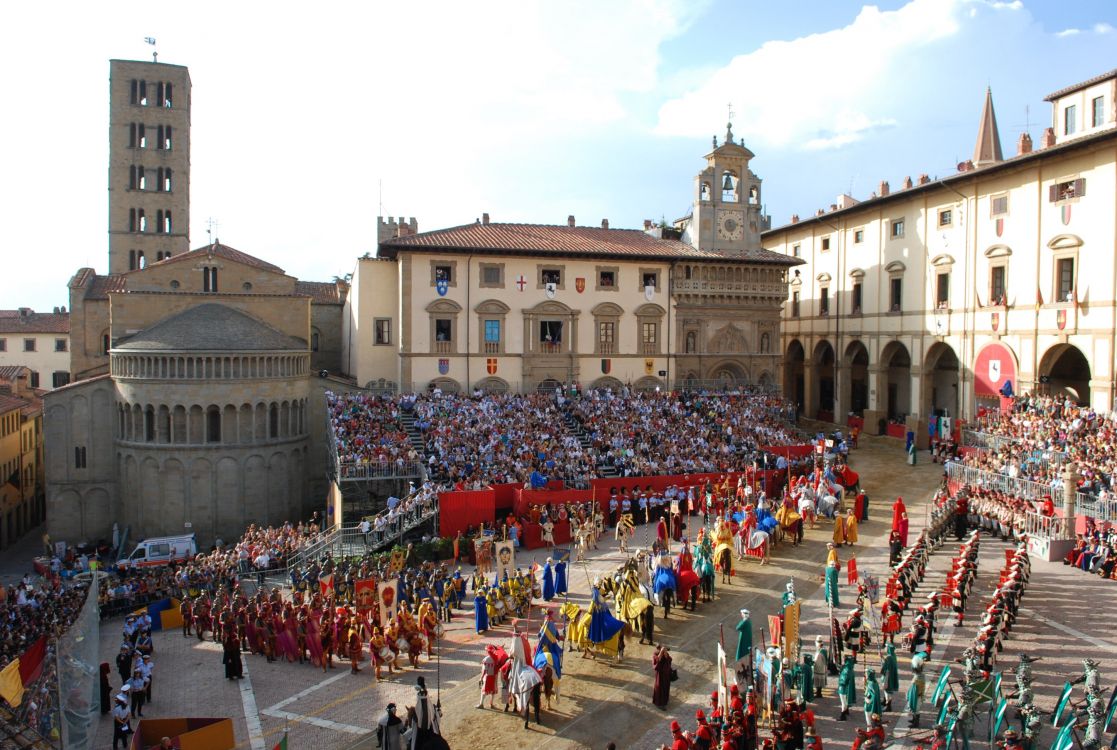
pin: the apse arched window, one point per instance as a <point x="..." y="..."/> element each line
<point x="729" y="188"/>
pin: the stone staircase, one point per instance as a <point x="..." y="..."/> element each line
<point x="577" y="430"/>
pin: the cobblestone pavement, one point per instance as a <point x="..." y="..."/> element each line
<point x="602" y="701"/>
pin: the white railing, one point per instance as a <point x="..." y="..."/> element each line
<point x="1024" y="488"/>
<point x="1092" y="506"/>
<point x="1046" y="527"/>
<point x="364" y="469"/>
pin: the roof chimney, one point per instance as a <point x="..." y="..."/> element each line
<point x="604" y="223"/>
<point x="1048" y="139"/>
<point x="647" y="224"/>
<point x="907" y="182"/>
<point x="795" y="218"/>
<point x="1024" y="144"/>
<point x="883" y="189"/>
<point x="924" y="179"/>
<point x="570" y="220"/>
<point x="485" y="218"/>
<point x="819" y="212"/>
<point x="965" y="166"/>
<point x="988" y="148"/>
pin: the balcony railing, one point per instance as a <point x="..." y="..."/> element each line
<point x="443" y="347"/>
<point x="550" y="347"/>
<point x="492" y="347"/>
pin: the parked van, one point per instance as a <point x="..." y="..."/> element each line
<point x="161" y="550"/>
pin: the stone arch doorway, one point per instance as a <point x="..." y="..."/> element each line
<point x="1065" y="371"/>
<point x="856" y="387"/>
<point x="729" y="373"/>
<point x="940" y="381"/>
<point x="549" y="385"/>
<point x="794" y="383"/>
<point x="896" y="363"/>
<point x="825" y="366"/>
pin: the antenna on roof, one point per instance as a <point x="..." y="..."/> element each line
<point x="380" y="197"/>
<point x="154" y="53"/>
<point x="211" y="229"/>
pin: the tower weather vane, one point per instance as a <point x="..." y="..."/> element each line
<point x="154" y="53"/>
<point x="211" y="229"/>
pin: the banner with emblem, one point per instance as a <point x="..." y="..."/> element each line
<point x="606" y="366"/>
<point x="388" y="597"/>
<point x="1061" y="319"/>
<point x="996" y="320"/>
<point x="1000" y="226"/>
<point x="791" y="619"/>
<point x="442" y="286"/>
<point x="649" y="366"/>
<point x="505" y="559"/>
<point x="443" y="366"/>
<point x="326" y="586"/>
<point x="580" y="284"/>
<point x="551" y="288"/>
<point x="397" y="561"/>
<point x="723" y="681"/>
<point x="364" y="594"/>
<point x="491" y="365"/>
<point x="649" y="292"/>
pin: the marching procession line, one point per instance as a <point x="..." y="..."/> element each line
<point x="251" y="714"/>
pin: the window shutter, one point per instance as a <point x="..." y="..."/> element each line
<point x="1053" y="193"/>
<point x="1080" y="187"/>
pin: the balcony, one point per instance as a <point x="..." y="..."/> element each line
<point x="492" y="347"/>
<point x="443" y="347"/>
<point x="550" y="347"/>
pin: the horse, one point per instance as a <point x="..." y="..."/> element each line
<point x="578" y="633"/>
<point x="426" y="739"/>
<point x="635" y="607"/>
<point x="723" y="561"/>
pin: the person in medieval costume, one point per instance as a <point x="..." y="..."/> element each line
<point x="831" y="587"/>
<point x="900" y="520"/>
<point x="427" y="717"/>
<point x="873" y="703"/>
<point x="744" y="636"/>
<point x="821" y="664"/>
<point x="560" y="577"/>
<point x="917" y="688"/>
<point x="847" y="686"/>
<point x="889" y="675"/>
<point x="806" y="678"/>
<point x="548" y="582"/>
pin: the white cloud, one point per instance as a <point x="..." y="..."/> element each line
<point x="785" y="89"/>
<point x="1103" y="28"/>
<point x="1068" y="32"/>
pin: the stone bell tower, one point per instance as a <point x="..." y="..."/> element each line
<point x="727" y="216"/>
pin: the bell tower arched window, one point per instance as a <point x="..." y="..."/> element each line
<point x="729" y="188"/>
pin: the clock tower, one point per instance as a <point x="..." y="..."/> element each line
<point x="726" y="216"/>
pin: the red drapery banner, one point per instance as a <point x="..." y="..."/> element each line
<point x="31" y="660"/>
<point x="457" y="511"/>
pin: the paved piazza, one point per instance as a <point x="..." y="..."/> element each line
<point x="1062" y="620"/>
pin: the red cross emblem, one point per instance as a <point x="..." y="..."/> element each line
<point x="521" y="282"/>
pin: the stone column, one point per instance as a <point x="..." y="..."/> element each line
<point x="877" y="393"/>
<point x="842" y="393"/>
<point x="810" y="390"/>
<point x="1070" y="498"/>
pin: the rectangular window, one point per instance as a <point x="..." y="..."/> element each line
<point x="648" y="335"/>
<point x="550" y="335"/>
<point x="998" y="205"/>
<point x="824" y="301"/>
<point x="1068" y="190"/>
<point x="60" y="345"/>
<point x="443" y="329"/>
<point x="797" y="251"/>
<point x="857" y="298"/>
<point x="444" y="273"/>
<point x="29" y="345"/>
<point x="34" y="379"/>
<point x="167" y="138"/>
<point x="492" y="333"/>
<point x="1064" y="280"/>
<point x="383" y="331"/>
<point x="607" y="279"/>
<point x="1097" y="118"/>
<point x="825" y="244"/>
<point x="1070" y="119"/>
<point x="492" y="275"/>
<point x="897" y="228"/>
<point x="60" y="378"/>
<point x="942" y="291"/>
<point x="3" y="345"/>
<point x="606" y="336"/>
<point x="551" y="276"/>
<point x="858" y="236"/>
<point x="79" y="457"/>
<point x="997" y="285"/>
<point x="795" y="304"/>
<point x="946" y="217"/>
<point x="650" y="279"/>
<point x="896" y="294"/>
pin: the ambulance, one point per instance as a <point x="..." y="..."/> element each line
<point x="160" y="550"/>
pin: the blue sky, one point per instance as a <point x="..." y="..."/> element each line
<point x="304" y="122"/>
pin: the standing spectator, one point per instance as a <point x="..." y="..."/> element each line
<point x="121" y="729"/>
<point x="661" y="665"/>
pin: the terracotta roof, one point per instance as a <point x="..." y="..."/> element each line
<point x="217" y="250"/>
<point x="11" y="403"/>
<point x="1077" y="86"/>
<point x="320" y="292"/>
<point x="19" y="321"/>
<point x="102" y="285"/>
<point x="11" y="372"/>
<point x="547" y="239"/>
<point x="77" y="384"/>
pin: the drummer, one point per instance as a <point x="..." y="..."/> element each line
<point x="382" y="654"/>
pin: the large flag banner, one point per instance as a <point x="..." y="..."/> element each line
<point x="389" y="599"/>
<point x="11" y="686"/>
<point x="723" y="681"/>
<point x="791" y="632"/>
<point x="326" y="586"/>
<point x="505" y="559"/>
<point x="365" y="594"/>
<point x="397" y="561"/>
<point x="776" y="626"/>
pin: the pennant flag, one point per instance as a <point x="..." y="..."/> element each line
<point x="1065" y="740"/>
<point x="851" y="571"/>
<point x="1110" y="710"/>
<point x="326" y="585"/>
<point x="282" y="744"/>
<point x="776" y="626"/>
<point x="31" y="661"/>
<point x="941" y="686"/>
<point x="1061" y="706"/>
<point x="1000" y="714"/>
<point x="11" y="686"/>
<point x="365" y="594"/>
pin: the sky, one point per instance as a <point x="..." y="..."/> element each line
<point x="310" y="121"/>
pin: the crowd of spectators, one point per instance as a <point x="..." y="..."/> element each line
<point x="32" y="609"/>
<point x="649" y="433"/>
<point x="368" y="429"/>
<point x="1042" y="432"/>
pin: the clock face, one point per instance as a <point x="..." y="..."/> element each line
<point x="730" y="226"/>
